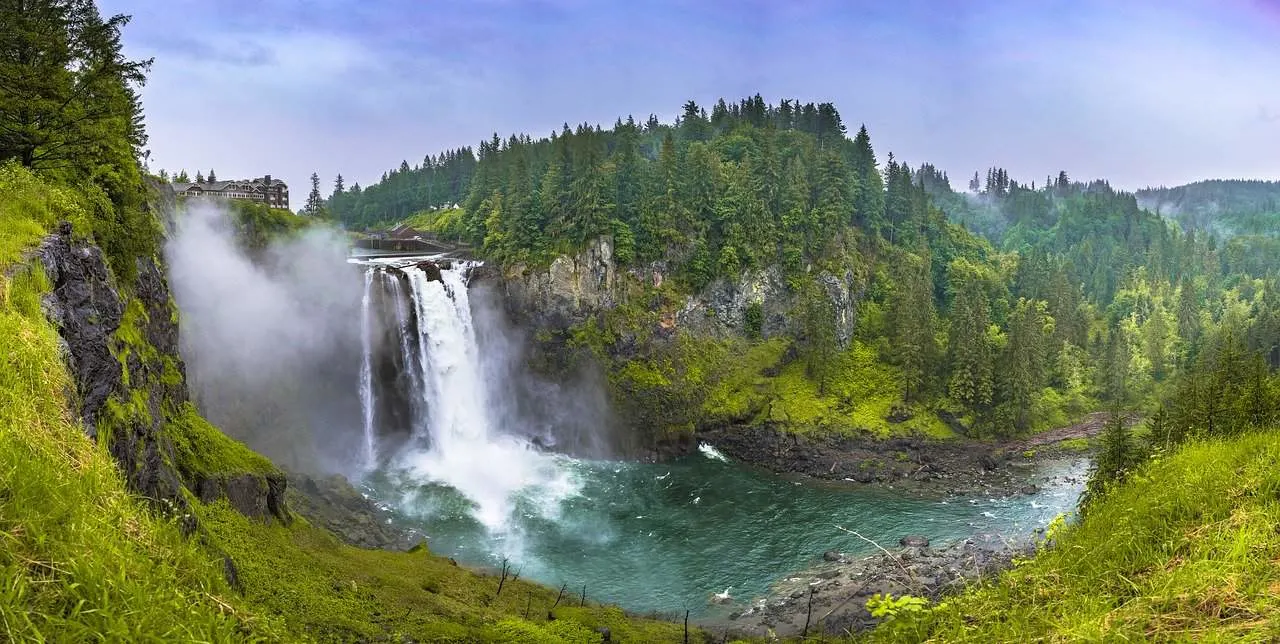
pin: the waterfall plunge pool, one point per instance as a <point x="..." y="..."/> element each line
<point x="664" y="537"/>
<point x="649" y="537"/>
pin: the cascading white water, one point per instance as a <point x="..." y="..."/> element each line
<point x="366" y="371"/>
<point x="412" y="358"/>
<point x="466" y="450"/>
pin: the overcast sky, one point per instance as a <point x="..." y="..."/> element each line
<point x="1140" y="92"/>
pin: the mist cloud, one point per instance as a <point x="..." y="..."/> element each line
<point x="272" y="347"/>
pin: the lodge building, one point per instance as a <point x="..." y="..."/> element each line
<point x="273" y="192"/>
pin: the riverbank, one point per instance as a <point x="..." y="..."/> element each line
<point x="918" y="466"/>
<point x="831" y="597"/>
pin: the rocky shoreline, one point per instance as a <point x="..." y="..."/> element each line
<point x="831" y="597"/>
<point x="938" y="468"/>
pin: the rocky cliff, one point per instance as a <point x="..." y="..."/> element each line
<point x="121" y="345"/>
<point x="573" y="289"/>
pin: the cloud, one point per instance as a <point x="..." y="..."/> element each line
<point x="1140" y="92"/>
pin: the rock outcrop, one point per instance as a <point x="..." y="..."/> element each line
<point x="575" y="288"/>
<point x="87" y="309"/>
<point x="127" y="390"/>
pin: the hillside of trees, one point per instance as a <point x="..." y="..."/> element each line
<point x="1007" y="306"/>
<point x="1224" y="207"/>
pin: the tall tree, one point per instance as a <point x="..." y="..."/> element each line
<point x="212" y="177"/>
<point x="315" y="203"/>
<point x="69" y="94"/>
<point x="912" y="322"/>
<point x="971" y="352"/>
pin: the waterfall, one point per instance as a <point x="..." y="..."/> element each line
<point x="458" y="441"/>
<point x="366" y="370"/>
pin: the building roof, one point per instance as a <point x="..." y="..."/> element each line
<point x="218" y="186"/>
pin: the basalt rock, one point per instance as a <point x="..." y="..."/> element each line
<point x="432" y="271"/>
<point x="333" y="503"/>
<point x="87" y="309"/>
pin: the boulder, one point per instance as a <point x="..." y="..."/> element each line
<point x="831" y="555"/>
<point x="914" y="541"/>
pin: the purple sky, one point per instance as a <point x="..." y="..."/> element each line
<point x="1140" y="92"/>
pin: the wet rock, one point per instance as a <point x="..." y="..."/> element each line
<point x="333" y="503"/>
<point x="1028" y="489"/>
<point x="432" y="271"/>
<point x="798" y="594"/>
<point x="831" y="555"/>
<point x="829" y="574"/>
<point x="913" y="541"/>
<point x="87" y="310"/>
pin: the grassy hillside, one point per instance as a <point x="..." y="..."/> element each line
<point x="1188" y="549"/>
<point x="83" y="559"/>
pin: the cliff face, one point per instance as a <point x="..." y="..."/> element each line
<point x="121" y="345"/>
<point x="576" y="288"/>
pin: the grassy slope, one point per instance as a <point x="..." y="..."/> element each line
<point x="1188" y="550"/>
<point x="79" y="557"/>
<point x="82" y="559"/>
<point x="338" y="593"/>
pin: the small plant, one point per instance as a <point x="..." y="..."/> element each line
<point x="1029" y="454"/>
<point x="753" y="320"/>
<point x="886" y="606"/>
<point x="901" y="457"/>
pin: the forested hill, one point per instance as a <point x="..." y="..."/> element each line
<point x="1221" y="206"/>
<point x="1076" y="298"/>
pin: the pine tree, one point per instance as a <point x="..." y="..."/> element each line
<point x="315" y="203"/>
<point x="212" y="177"/>
<point x="971" y="353"/>
<point x="1116" y="458"/>
<point x="913" y="322"/>
<point x="199" y="177"/>
<point x="869" y="205"/>
<point x="68" y="99"/>
<point x="182" y="177"/>
<point x="337" y="185"/>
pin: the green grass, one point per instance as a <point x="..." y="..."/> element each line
<point x="446" y="221"/>
<point x="1075" y="444"/>
<point x="1189" y="549"/>
<point x="29" y="208"/>
<point x="80" y="558"/>
<point x="202" y="451"/>
<point x="333" y="592"/>
<point x="859" y="397"/>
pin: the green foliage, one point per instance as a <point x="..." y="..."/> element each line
<point x="202" y="451"/>
<point x="439" y="182"/>
<point x="886" y="606"/>
<point x="258" y="224"/>
<point x="1184" y="550"/>
<point x="753" y="320"/>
